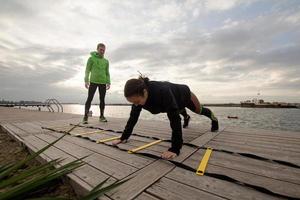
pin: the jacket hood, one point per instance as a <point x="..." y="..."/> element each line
<point x="95" y="54"/>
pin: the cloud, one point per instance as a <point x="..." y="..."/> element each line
<point x="216" y="47"/>
<point x="220" y="4"/>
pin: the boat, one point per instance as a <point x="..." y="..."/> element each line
<point x="260" y="103"/>
<point x="232" y="117"/>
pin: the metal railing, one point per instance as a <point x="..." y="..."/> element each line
<point x="50" y="103"/>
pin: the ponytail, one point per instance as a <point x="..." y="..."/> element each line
<point x="144" y="79"/>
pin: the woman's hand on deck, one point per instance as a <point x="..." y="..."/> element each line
<point x="116" y="142"/>
<point x="168" y="155"/>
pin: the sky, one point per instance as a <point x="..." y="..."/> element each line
<point x="226" y="51"/>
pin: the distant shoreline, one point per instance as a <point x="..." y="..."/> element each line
<point x="126" y="104"/>
<point x="205" y="104"/>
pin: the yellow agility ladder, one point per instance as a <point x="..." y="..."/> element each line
<point x="202" y="166"/>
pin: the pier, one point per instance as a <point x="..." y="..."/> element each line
<point x="53" y="105"/>
<point x="243" y="163"/>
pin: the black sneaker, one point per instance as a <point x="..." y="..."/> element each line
<point x="186" y="121"/>
<point x="85" y="120"/>
<point x="214" y="125"/>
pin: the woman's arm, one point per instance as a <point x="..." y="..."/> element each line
<point x="175" y="123"/>
<point x="170" y="103"/>
<point x="134" y="116"/>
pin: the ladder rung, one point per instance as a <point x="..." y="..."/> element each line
<point x="144" y="146"/>
<point x="108" y="139"/>
<point x="91" y="132"/>
<point x="202" y="166"/>
<point x="58" y="127"/>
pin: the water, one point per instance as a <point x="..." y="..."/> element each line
<point x="262" y="118"/>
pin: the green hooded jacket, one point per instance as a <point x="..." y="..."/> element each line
<point x="97" y="69"/>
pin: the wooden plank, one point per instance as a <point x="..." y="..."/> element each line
<point x="159" y="129"/>
<point x="22" y="115"/>
<point x="54" y="152"/>
<point x="51" y="152"/>
<point x="159" y="149"/>
<point x="141" y="180"/>
<point x="280" y="141"/>
<point x="29" y="127"/>
<point x="82" y="179"/>
<point x="15" y="130"/>
<point x="92" y="176"/>
<point x="146" y="177"/>
<point x="275" y="185"/>
<point x="163" y="134"/>
<point x="292" y="157"/>
<point x="114" y="153"/>
<point x="136" y="141"/>
<point x="130" y="144"/>
<point x="205" y="138"/>
<point x="105" y="164"/>
<point x="275" y="133"/>
<point x="159" y="132"/>
<point x="146" y="196"/>
<point x="114" y="124"/>
<point x="262" y="137"/>
<point x="254" y="166"/>
<point x="215" y="186"/>
<point x="10" y="130"/>
<point x="165" y="126"/>
<point x="168" y="189"/>
<point x="260" y="144"/>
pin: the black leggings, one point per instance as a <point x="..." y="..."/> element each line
<point x="190" y="105"/>
<point x="202" y="110"/>
<point x="91" y="93"/>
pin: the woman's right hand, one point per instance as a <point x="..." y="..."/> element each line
<point x="116" y="142"/>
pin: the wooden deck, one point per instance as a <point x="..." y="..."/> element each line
<point x="241" y="159"/>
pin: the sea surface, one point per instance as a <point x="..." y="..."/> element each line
<point x="287" y="119"/>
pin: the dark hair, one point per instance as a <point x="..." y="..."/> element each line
<point x="100" y="45"/>
<point x="136" y="86"/>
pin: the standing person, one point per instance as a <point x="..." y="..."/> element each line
<point x="163" y="97"/>
<point x="96" y="76"/>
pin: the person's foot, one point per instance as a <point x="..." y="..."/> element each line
<point x="214" y="125"/>
<point x="102" y="119"/>
<point x="186" y="121"/>
<point x="85" y="120"/>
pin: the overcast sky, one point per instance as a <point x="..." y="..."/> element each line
<point x="225" y="50"/>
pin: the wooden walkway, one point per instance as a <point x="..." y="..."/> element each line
<point x="241" y="159"/>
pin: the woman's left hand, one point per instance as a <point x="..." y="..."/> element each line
<point x="107" y="86"/>
<point x="168" y="155"/>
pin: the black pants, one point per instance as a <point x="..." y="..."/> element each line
<point x="91" y="93"/>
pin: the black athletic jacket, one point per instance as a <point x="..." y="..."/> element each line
<point x="163" y="97"/>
